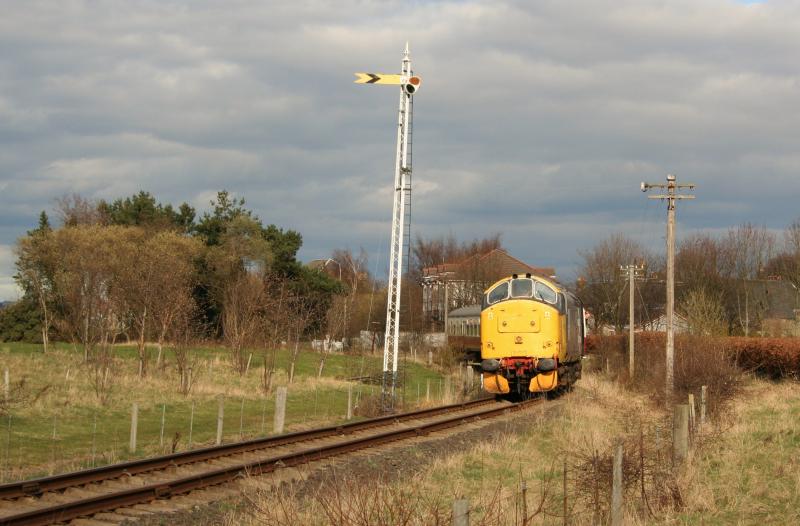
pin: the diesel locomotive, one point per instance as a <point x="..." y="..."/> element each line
<point x="531" y="336"/>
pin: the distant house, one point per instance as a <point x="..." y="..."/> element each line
<point x="679" y="325"/>
<point x="455" y="284"/>
<point x="776" y="305"/>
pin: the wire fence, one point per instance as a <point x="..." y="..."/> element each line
<point x="47" y="442"/>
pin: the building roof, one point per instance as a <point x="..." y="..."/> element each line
<point x="495" y="265"/>
<point x="470" y="311"/>
<point x="779" y="299"/>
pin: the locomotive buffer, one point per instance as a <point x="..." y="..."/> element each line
<point x="409" y="84"/>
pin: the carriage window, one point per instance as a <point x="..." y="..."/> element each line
<point x="499" y="293"/>
<point x="545" y="293"/>
<point x="521" y="288"/>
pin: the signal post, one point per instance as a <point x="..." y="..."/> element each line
<point x="409" y="84"/>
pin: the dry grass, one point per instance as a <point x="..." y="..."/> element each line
<point x="751" y="475"/>
<point x="491" y="474"/>
<point x="744" y="469"/>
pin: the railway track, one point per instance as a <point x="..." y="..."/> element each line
<point x="62" y="498"/>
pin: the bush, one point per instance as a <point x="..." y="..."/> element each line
<point x="21" y="322"/>
<point x="699" y="361"/>
<point x="772" y="357"/>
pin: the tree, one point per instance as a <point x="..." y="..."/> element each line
<point x="787" y="263"/>
<point x="601" y="284"/>
<point x="87" y="261"/>
<point x="155" y="282"/>
<point x="244" y="304"/>
<point x="746" y="250"/>
<point x="144" y="211"/>
<point x="76" y="210"/>
<point x="35" y="276"/>
<point x="704" y="312"/>
<point x="174" y="310"/>
<point x="21" y="321"/>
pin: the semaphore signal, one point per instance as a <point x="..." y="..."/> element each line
<point x="409" y="84"/>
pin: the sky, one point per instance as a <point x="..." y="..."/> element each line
<point x="537" y="120"/>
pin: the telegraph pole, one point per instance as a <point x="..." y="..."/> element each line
<point x="671" y="197"/>
<point x="631" y="270"/>
<point x="409" y="84"/>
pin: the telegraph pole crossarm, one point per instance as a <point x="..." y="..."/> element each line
<point x="671" y="197"/>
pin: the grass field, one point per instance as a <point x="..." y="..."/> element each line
<point x="751" y="475"/>
<point x="61" y="425"/>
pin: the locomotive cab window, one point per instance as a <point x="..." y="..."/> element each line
<point x="521" y="288"/>
<point x="545" y="293"/>
<point x="498" y="293"/>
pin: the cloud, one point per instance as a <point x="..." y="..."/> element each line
<point x="535" y="119"/>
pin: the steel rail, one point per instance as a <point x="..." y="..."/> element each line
<point x="78" y="478"/>
<point x="79" y="508"/>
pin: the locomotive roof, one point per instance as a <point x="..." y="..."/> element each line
<point x="547" y="281"/>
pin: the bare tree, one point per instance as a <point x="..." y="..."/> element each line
<point x="182" y="331"/>
<point x="76" y="210"/>
<point x="790" y="264"/>
<point x="601" y="285"/>
<point x="243" y="316"/>
<point x="174" y="277"/>
<point x="34" y="271"/>
<point x="746" y="251"/>
<point x="704" y="312"/>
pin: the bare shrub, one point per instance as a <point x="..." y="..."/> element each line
<point x="20" y="395"/>
<point x="351" y="501"/>
<point x="699" y="361"/>
<point x="650" y="484"/>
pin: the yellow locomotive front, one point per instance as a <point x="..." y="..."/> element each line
<point x="531" y="336"/>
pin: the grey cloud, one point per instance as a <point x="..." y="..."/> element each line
<point x="536" y="119"/>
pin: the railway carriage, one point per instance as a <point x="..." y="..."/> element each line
<point x="532" y="335"/>
<point x="464" y="332"/>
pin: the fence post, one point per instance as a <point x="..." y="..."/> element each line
<point x="53" y="463"/>
<point x="220" y="418"/>
<point x="616" y="487"/>
<point x="349" y="401"/>
<point x="680" y="434"/>
<point x="134" y="426"/>
<point x="461" y="512"/>
<point x="163" y="415"/>
<point x="94" y="439"/>
<point x="691" y="413"/>
<point x="428" y="390"/>
<point x="596" y="494"/>
<point x="524" y="490"/>
<point x="430" y="357"/>
<point x="280" y="410"/>
<point x="191" y="425"/>
<point x="703" y="398"/>
<point x="8" y="447"/>
<point x="564" y="490"/>
<point x="241" y="419"/>
<point x="264" y="417"/>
